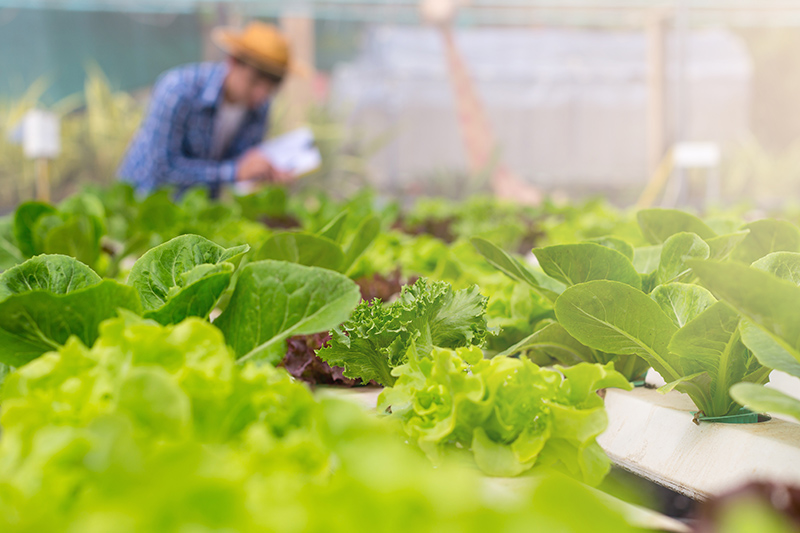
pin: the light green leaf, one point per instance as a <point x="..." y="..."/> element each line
<point x="365" y="234"/>
<point x="697" y="387"/>
<point x="647" y="258"/>
<point x="333" y="229"/>
<point x="57" y="274"/>
<point x="578" y="263"/>
<point x="615" y="243"/>
<point x="542" y="285"/>
<point x="497" y="459"/>
<point x="552" y="342"/>
<point x="763" y="399"/>
<point x="722" y="246"/>
<point x="616" y="318"/>
<point x="769" y="350"/>
<point x="35" y="322"/>
<point x="767" y="236"/>
<point x="784" y="265"/>
<point x="682" y="302"/>
<point x="183" y="277"/>
<point x="711" y="344"/>
<point x="677" y="250"/>
<point x="10" y="253"/>
<point x="768" y="302"/>
<point x="658" y="224"/>
<point x="274" y="300"/>
<point x="302" y="248"/>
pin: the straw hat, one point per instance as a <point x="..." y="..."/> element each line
<point x="258" y="44"/>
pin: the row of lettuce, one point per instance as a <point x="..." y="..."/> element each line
<point x="126" y="406"/>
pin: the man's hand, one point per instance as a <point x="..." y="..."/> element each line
<point x="253" y="166"/>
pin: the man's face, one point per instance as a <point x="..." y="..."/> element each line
<point x="247" y="86"/>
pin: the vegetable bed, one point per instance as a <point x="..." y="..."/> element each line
<point x="125" y="407"/>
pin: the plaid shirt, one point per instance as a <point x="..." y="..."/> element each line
<point x="173" y="145"/>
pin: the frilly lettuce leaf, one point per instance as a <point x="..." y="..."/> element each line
<point x="377" y="338"/>
<point x="509" y="412"/>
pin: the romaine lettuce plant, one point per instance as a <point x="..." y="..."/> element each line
<point x="766" y="295"/>
<point x="49" y="298"/>
<point x="74" y="229"/>
<point x="333" y="247"/>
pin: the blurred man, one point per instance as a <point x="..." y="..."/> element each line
<point x="205" y="120"/>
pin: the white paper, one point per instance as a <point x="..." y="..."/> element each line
<point x="293" y="152"/>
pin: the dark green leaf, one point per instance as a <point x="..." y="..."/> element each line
<point x="274" y="300"/>
<point x="24" y="219"/>
<point x="302" y="248"/>
<point x="35" y="322"/>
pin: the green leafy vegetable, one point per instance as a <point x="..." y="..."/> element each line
<point x="274" y="300"/>
<point x="35" y="322"/>
<point x="542" y="285"/>
<point x="616" y="318"/>
<point x="577" y="263"/>
<point x="302" y="248"/>
<point x="183" y="277"/>
<point x="658" y="224"/>
<point x="676" y="251"/>
<point x="377" y="339"/>
<point x="772" y="328"/>
<point x="763" y="399"/>
<point x="713" y="359"/>
<point x="57" y="274"/>
<point x="767" y="236"/>
<point x="509" y="412"/>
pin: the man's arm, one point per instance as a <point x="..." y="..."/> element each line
<point x="169" y="113"/>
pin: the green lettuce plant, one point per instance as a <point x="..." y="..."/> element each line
<point x="158" y="429"/>
<point x="377" y="338"/>
<point x="510" y="413"/>
<point x="765" y="295"/>
<point x="50" y="298"/>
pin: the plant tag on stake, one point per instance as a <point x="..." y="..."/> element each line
<point x="40" y="135"/>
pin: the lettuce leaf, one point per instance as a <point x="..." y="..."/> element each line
<point x="377" y="338"/>
<point x="509" y="413"/>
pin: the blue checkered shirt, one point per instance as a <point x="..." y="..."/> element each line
<point x="172" y="147"/>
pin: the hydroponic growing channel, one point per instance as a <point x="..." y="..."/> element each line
<point x="190" y="365"/>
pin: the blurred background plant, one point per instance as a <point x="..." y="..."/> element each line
<point x="96" y="126"/>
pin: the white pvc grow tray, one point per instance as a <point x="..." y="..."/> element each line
<point x="652" y="435"/>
